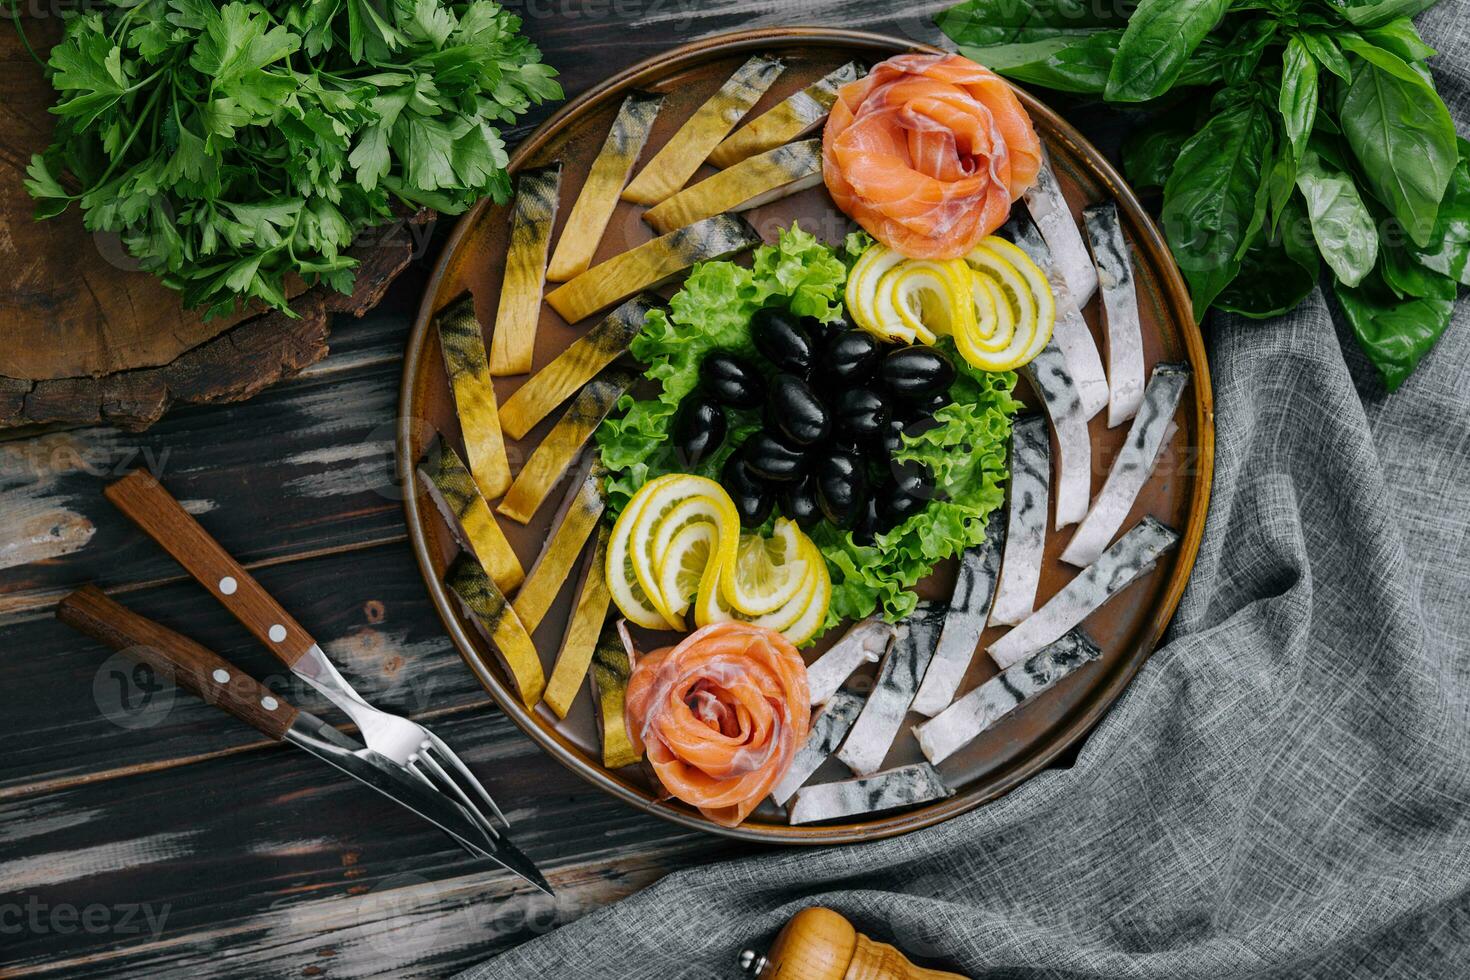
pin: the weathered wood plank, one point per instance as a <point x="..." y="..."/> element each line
<point x="277" y="842"/>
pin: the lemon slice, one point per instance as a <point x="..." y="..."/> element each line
<point x="814" y="613"/>
<point x="930" y="297"/>
<point x="871" y="310"/>
<point x="1014" y="291"/>
<point x="767" y="571"/>
<point x="622" y="580"/>
<point x="684" y="564"/>
<point x="1029" y="340"/>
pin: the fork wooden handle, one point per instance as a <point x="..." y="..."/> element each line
<point x="193" y="667"/>
<point x="152" y="508"/>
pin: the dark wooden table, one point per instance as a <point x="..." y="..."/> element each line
<point x="151" y="836"/>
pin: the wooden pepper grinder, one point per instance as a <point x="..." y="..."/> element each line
<point x="819" y="944"/>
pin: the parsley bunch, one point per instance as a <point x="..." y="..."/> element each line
<point x="234" y="146"/>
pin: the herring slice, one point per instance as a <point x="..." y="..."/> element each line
<point x="882" y="716"/>
<point x="829" y="726"/>
<point x="587" y="222"/>
<point x="792" y="119"/>
<point x="671" y="168"/>
<point x="969" y="608"/>
<point x="1048" y="374"/>
<point x="1049" y="209"/>
<point x="1133" y="556"/>
<point x="534" y="212"/>
<point x="960" y="723"/>
<point x="448" y="483"/>
<point x="551" y="460"/>
<point x="611" y="668"/>
<point x="1027" y="507"/>
<point x="580" y="639"/>
<point x="750" y="183"/>
<point x="465" y="361"/>
<point x="903" y="786"/>
<point x="1150" y="432"/>
<point x="575" y="366"/>
<point x="572" y="525"/>
<point x="1124" y="335"/>
<point x="496" y="621"/>
<point x="651" y="264"/>
<point x="1071" y="333"/>
<point x="864" y="643"/>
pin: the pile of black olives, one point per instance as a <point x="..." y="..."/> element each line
<point x="836" y="403"/>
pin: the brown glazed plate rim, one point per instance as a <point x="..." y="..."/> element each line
<point x="1060" y="737"/>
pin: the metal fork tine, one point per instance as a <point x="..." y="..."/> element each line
<point x="438" y="778"/>
<point x="453" y="759"/>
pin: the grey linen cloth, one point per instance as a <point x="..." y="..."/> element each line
<point x="1284" y="791"/>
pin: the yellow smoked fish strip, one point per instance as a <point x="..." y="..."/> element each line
<point x="582" y="631"/>
<point x="651" y="264"/>
<point x="574" y="367"/>
<point x="493" y="616"/>
<point x="579" y="513"/>
<point x="605" y="181"/>
<point x="610" y="672"/>
<point x="551" y="460"/>
<point x="748" y="184"/>
<point x="449" y="484"/>
<point x="514" y="340"/>
<point x="463" y="346"/>
<point x="796" y="116"/>
<point x="671" y="168"/>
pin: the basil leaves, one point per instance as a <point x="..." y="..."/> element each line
<point x="1290" y="137"/>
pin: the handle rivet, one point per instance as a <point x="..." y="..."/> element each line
<point x="269" y="703"/>
<point x="221" y="676"/>
<point x="277" y="633"/>
<point x="227" y="585"/>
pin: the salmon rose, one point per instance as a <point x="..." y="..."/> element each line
<point x="928" y="152"/>
<point x="721" y="716"/>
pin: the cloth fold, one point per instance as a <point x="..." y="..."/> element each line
<point x="1284" y="791"/>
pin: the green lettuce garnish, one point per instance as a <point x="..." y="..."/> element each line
<point x="966" y="452"/>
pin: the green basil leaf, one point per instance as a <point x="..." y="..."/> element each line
<point x="1245" y="48"/>
<point x="982" y="23"/>
<point x="1402" y="135"/>
<point x="1448" y="251"/>
<point x="1402" y="38"/>
<point x="1341" y="224"/>
<point x="1075" y="63"/>
<point x="1394" y="333"/>
<point x="1280" y="186"/>
<point x="1149" y="153"/>
<point x="1214" y="199"/>
<point x="1327" y="54"/>
<point x="1383" y="11"/>
<point x="1404" y="274"/>
<point x="1277" y="272"/>
<point x="1161" y="36"/>
<point x="1298" y="99"/>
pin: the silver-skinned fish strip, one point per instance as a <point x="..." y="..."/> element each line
<point x="1148" y="435"/>
<point x="969" y="608"/>
<point x="1027" y="505"/>
<point x="903" y="786"/>
<point x="960" y="723"/>
<point x="864" y="643"/>
<point x="1048" y="374"/>
<point x="1120" y="306"/>
<point x="1050" y="211"/>
<point x="1071" y="334"/>
<point x="1133" y="556"/>
<point x="882" y="716"/>
<point x="829" y="726"/>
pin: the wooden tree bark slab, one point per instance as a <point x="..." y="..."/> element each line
<point x="85" y="337"/>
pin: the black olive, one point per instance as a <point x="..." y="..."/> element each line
<point x="929" y="404"/>
<point x="861" y="412"/>
<point x="890" y="440"/>
<point x="753" y="502"/>
<point x="772" y="459"/>
<point x="782" y="340"/>
<point x="819" y="331"/>
<point x="842" y="487"/>
<point x="794" y="409"/>
<point x="732" y="381"/>
<point x="869" y="522"/>
<point x="848" y="359"/>
<point x="915" y="371"/>
<point x="799" y="502"/>
<point x="895" y="506"/>
<point x="913" y="479"/>
<point x="699" y="428"/>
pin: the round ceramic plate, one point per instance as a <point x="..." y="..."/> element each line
<point x="1126" y="629"/>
